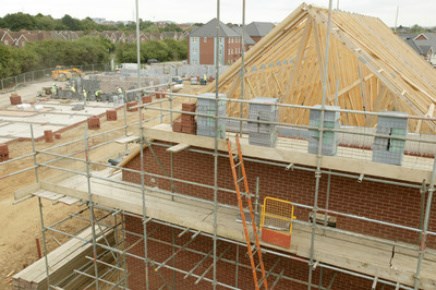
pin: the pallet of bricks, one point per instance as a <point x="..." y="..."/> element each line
<point x="186" y="122"/>
<point x="15" y="99"/>
<point x="207" y="107"/>
<point x="262" y="110"/>
<point x="4" y="152"/>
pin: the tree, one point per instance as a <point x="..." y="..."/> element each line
<point x="43" y="22"/>
<point x="8" y="65"/>
<point x="71" y="23"/>
<point x="178" y="50"/>
<point x="19" y="21"/>
<point x="88" y="24"/>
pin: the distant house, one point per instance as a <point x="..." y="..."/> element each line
<point x="257" y="30"/>
<point x="410" y="40"/>
<point x="6" y="38"/>
<point x="248" y="41"/>
<point x="21" y="41"/>
<point x="427" y="44"/>
<point x="202" y="48"/>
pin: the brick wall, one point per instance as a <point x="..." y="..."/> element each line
<point x="389" y="203"/>
<point x="207" y="50"/>
<point x="232" y="50"/>
<point x="226" y="272"/>
<point x="394" y="204"/>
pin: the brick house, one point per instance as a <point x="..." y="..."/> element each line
<point x="248" y="41"/>
<point x="6" y="37"/>
<point x="427" y="44"/>
<point x="373" y="200"/>
<point x="257" y="30"/>
<point x="202" y="44"/>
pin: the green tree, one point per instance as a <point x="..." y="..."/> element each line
<point x="19" y="21"/>
<point x="44" y="22"/>
<point x="8" y="65"/>
<point x="178" y="50"/>
<point x="71" y="23"/>
<point x="88" y="24"/>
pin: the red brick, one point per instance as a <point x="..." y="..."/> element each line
<point x="131" y="105"/>
<point x="48" y="136"/>
<point x="15" y="99"/>
<point x="111" y="115"/>
<point x="93" y="123"/>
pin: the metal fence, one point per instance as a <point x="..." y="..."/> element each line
<point x="45" y="74"/>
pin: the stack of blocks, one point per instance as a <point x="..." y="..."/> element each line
<point x="15" y="99"/>
<point x="177" y="125"/>
<point x="329" y="138"/>
<point x="207" y="109"/>
<point x="4" y="152"/>
<point x="388" y="149"/>
<point x="147" y="99"/>
<point x="111" y="115"/>
<point x="132" y="106"/>
<point x="189" y="125"/>
<point x="264" y="110"/>
<point x="48" y="136"/>
<point x="93" y="123"/>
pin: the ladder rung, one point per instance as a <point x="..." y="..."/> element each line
<point x="237" y="165"/>
<point x="260" y="282"/>
<point x="241" y="179"/>
<point x="253" y="249"/>
<point x="249" y="195"/>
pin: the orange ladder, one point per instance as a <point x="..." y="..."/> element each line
<point x="237" y="180"/>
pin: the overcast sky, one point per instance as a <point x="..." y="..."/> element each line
<point x="422" y="12"/>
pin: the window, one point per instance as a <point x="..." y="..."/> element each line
<point x="204" y="39"/>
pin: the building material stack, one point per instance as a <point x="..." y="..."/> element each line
<point x="189" y="125"/>
<point x="15" y="99"/>
<point x="186" y="122"/>
<point x="388" y="149"/>
<point x="91" y="86"/>
<point x="177" y="125"/>
<point x="93" y="123"/>
<point x="111" y="115"/>
<point x="329" y="138"/>
<point x="147" y="99"/>
<point x="132" y="106"/>
<point x="48" y="136"/>
<point x="207" y="107"/>
<point x="263" y="110"/>
<point x="4" y="152"/>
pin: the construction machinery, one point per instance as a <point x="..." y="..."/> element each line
<point x="63" y="74"/>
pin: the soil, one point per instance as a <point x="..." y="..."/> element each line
<point x="21" y="223"/>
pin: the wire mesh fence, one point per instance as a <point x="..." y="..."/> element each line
<point x="45" y="74"/>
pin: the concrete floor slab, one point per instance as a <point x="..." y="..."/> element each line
<point x="22" y="130"/>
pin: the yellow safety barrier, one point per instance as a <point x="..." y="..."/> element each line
<point x="276" y="221"/>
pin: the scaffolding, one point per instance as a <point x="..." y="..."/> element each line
<point x="106" y="266"/>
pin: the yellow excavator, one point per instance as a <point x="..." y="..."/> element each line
<point x="63" y="74"/>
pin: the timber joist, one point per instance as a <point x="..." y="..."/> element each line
<point x="369" y="69"/>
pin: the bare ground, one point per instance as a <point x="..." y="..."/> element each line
<point x="21" y="223"/>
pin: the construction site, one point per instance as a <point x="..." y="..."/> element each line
<point x="309" y="163"/>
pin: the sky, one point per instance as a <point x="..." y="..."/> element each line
<point x="421" y="12"/>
